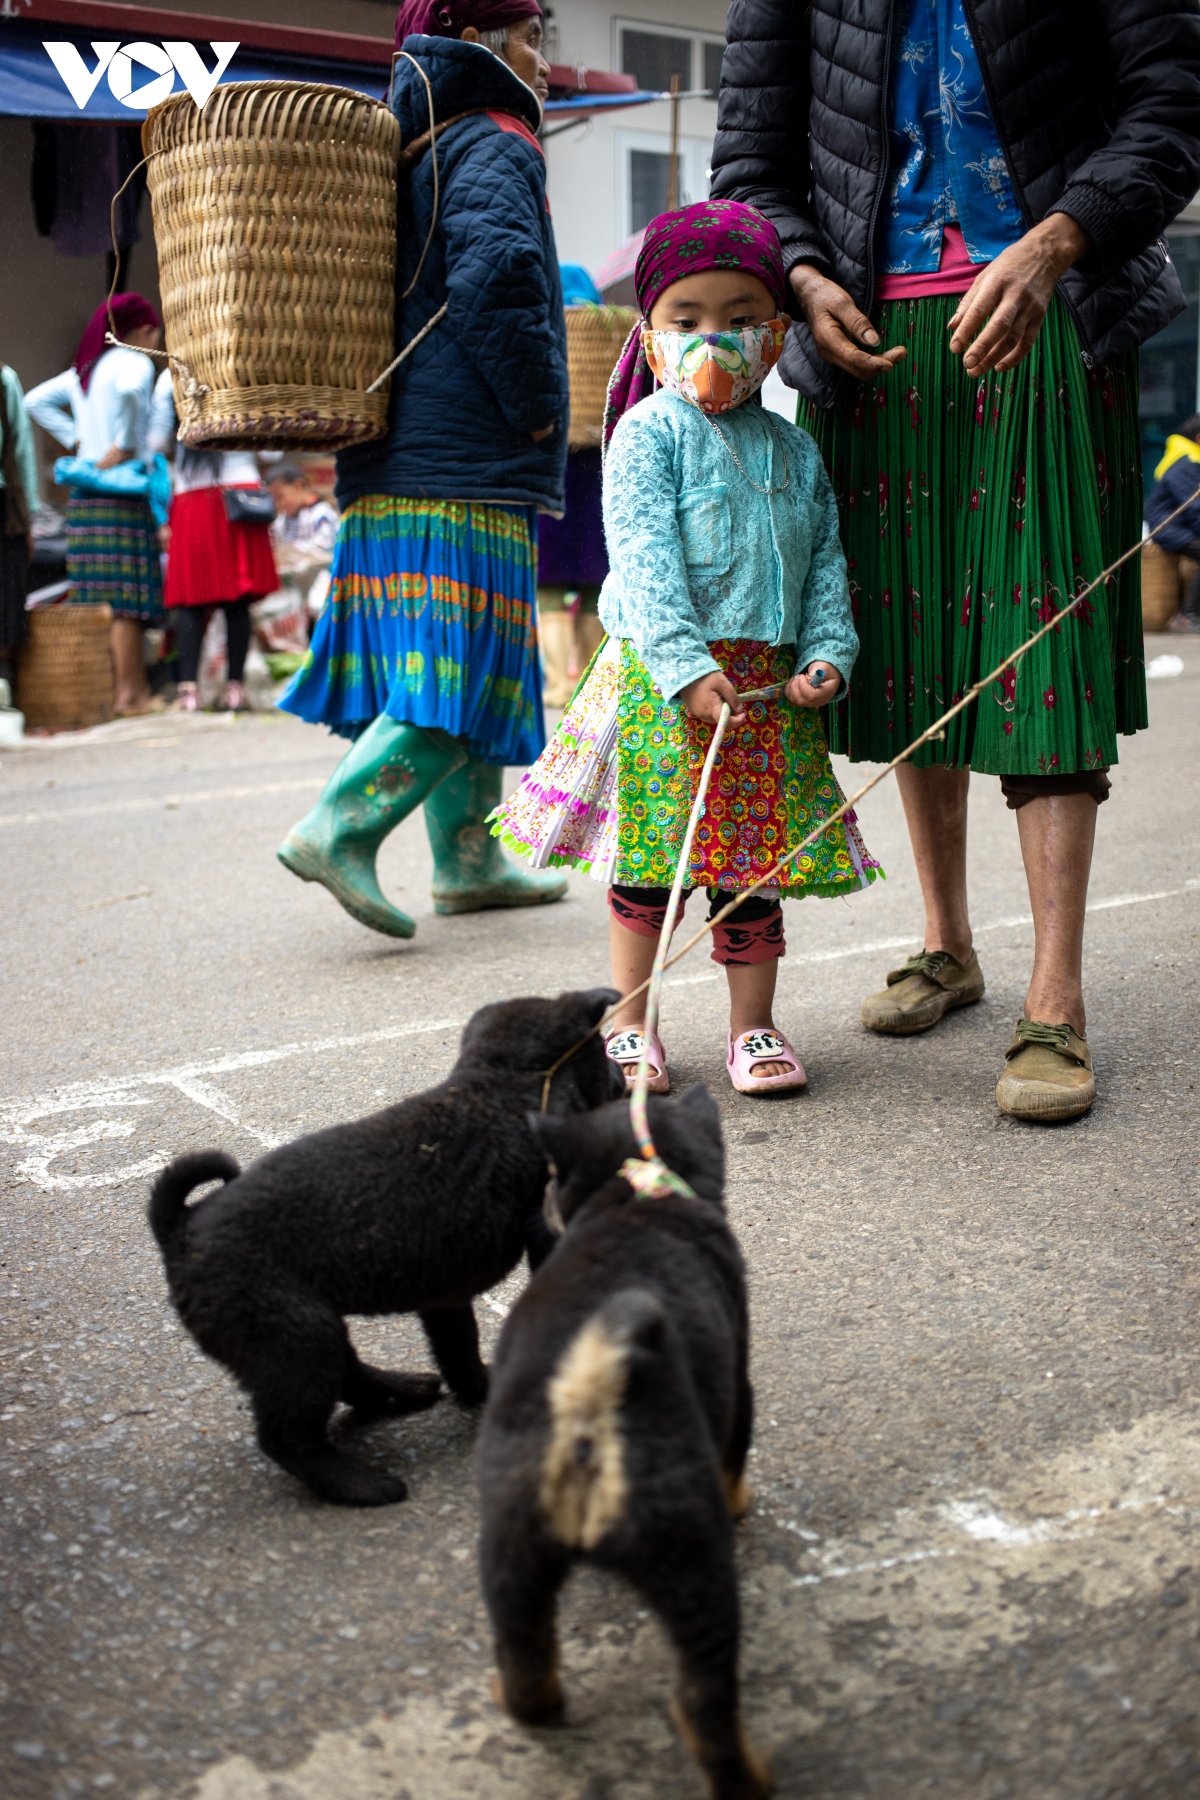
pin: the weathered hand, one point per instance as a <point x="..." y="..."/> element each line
<point x="838" y="326"/>
<point x="537" y="436"/>
<point x="803" y="690"/>
<point x="705" y="698"/>
<point x="998" y="318"/>
<point x="113" y="456"/>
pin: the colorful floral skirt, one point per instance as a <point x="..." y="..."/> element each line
<point x="430" y="618"/>
<point x="612" y="792"/>
<point x="113" y="558"/>
<point x="972" y="511"/>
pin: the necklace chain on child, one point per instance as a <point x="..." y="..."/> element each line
<point x="773" y="438"/>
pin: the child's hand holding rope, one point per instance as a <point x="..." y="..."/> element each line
<point x="705" y="698"/>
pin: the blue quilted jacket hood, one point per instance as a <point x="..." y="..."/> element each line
<point x="494" y="370"/>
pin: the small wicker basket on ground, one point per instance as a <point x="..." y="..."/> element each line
<point x="65" y="668"/>
<point x="275" y="220"/>
<point x="1162" y="586"/>
<point x="595" y="336"/>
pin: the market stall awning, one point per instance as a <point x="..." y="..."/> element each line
<point x="138" y="71"/>
<point x="120" y="60"/>
<point x="579" y="92"/>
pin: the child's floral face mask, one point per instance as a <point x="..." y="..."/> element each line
<point x="718" y="370"/>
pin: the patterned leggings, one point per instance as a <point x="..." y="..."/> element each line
<point x="754" y="934"/>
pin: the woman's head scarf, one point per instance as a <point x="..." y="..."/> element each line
<point x="128" y="312"/>
<point x="450" y="18"/>
<point x="712" y="234"/>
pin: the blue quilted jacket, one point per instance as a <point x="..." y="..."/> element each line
<point x="495" y="368"/>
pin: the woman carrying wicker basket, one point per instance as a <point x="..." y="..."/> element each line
<point x="426" y="652"/>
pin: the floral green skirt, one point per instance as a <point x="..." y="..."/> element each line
<point x="973" y="510"/>
<point x="612" y="791"/>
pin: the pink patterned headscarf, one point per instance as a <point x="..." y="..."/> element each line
<point x="712" y="234"/>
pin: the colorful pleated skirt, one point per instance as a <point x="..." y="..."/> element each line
<point x="113" y="558"/>
<point x="973" y="509"/>
<point x="431" y="619"/>
<point x="613" y="790"/>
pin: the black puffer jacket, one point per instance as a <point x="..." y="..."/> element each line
<point x="1097" y="104"/>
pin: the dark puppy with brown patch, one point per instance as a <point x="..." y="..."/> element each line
<point x="416" y="1209"/>
<point x="619" y="1422"/>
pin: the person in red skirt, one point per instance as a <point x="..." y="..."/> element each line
<point x="216" y="557"/>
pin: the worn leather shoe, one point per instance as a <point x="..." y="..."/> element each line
<point x="917" y="995"/>
<point x="1048" y="1074"/>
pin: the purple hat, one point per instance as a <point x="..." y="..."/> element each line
<point x="712" y="234"/>
<point x="449" y="18"/>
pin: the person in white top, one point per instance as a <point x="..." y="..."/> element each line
<point x="101" y="409"/>
<point x="304" y="535"/>
<point x="215" y="558"/>
<point x="57" y="406"/>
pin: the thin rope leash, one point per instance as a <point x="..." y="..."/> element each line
<point x="641" y="1084"/>
<point x="931" y="734"/>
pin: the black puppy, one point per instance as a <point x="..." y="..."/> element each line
<point x="416" y="1209"/>
<point x="619" y="1422"/>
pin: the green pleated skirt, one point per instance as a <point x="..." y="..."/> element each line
<point x="973" y="510"/>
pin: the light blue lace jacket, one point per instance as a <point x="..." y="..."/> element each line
<point x="696" y="553"/>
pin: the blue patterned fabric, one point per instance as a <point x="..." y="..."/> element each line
<point x="945" y="162"/>
<point x="430" y="618"/>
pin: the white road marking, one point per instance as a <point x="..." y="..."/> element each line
<point x="16" y="1116"/>
<point x="901" y="943"/>
<point x="204" y="1094"/>
<point x="115" y="899"/>
<point x="168" y="802"/>
<point x="983" y="1524"/>
<point x="1100" y="1525"/>
<point x="36" y="1167"/>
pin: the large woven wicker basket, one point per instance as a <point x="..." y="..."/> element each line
<point x="595" y="336"/>
<point x="275" y="220"/>
<point x="65" y="668"/>
<point x="1161" y="587"/>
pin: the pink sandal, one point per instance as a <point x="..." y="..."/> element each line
<point x="759" y="1047"/>
<point x="625" y="1047"/>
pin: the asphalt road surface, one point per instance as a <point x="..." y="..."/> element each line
<point x="971" y="1567"/>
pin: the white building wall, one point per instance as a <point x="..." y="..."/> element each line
<point x="589" y="165"/>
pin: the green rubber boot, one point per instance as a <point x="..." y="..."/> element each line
<point x="385" y="775"/>
<point x="470" y="870"/>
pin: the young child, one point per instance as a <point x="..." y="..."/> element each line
<point x="304" y="534"/>
<point x="726" y="575"/>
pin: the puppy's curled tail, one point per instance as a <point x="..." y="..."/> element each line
<point x="168" y="1196"/>
<point x="584" y="1485"/>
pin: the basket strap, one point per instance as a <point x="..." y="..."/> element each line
<point x="413" y="152"/>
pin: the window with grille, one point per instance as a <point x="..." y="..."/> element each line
<point x="652" y="57"/>
<point x="649" y="179"/>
